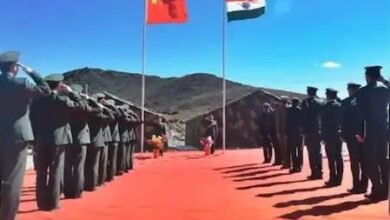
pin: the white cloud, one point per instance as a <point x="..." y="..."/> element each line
<point x="331" y="65"/>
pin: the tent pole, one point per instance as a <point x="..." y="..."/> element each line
<point x="224" y="76"/>
<point x="143" y="72"/>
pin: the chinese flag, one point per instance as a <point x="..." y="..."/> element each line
<point x="166" y="11"/>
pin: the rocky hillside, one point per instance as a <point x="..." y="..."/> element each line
<point x="182" y="97"/>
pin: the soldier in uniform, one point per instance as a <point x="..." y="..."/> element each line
<point x="311" y="108"/>
<point x="294" y="140"/>
<point x="350" y="127"/>
<point x="372" y="101"/>
<point x="95" y="122"/>
<point x="281" y="114"/>
<point x="267" y="126"/>
<point x="331" y="123"/>
<point x="109" y="117"/>
<point x="76" y="153"/>
<point x="124" y="133"/>
<point x="51" y="118"/>
<point x="113" y="145"/>
<point x="16" y="133"/>
<point x="262" y="125"/>
<point x="134" y="123"/>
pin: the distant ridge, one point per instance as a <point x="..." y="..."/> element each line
<point x="182" y="97"/>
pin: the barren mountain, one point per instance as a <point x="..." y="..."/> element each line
<point x="182" y="97"/>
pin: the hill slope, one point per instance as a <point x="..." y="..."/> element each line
<point x="184" y="97"/>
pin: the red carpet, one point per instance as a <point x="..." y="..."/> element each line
<point x="187" y="186"/>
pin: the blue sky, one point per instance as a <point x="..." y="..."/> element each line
<point x="286" y="48"/>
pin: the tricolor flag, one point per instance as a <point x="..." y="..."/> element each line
<point x="166" y="11"/>
<point x="244" y="9"/>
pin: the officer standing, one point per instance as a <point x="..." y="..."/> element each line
<point x="113" y="145"/>
<point x="263" y="124"/>
<point x="350" y="127"/>
<point x="76" y="153"/>
<point x="95" y="122"/>
<point x="294" y="140"/>
<point x="331" y="123"/>
<point x="311" y="108"/>
<point x="281" y="114"/>
<point x="15" y="128"/>
<point x="372" y="101"/>
<point x="51" y="118"/>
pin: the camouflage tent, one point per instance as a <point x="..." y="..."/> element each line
<point x="241" y="117"/>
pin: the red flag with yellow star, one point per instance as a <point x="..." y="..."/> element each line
<point x="166" y="11"/>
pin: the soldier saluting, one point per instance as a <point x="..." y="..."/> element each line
<point x="372" y="101"/>
<point x="53" y="135"/>
<point x="95" y="122"/>
<point x="113" y="145"/>
<point x="15" y="128"/>
<point x="75" y="155"/>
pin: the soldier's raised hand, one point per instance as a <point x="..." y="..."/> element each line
<point x="84" y="96"/>
<point x="65" y="88"/>
<point x="359" y="138"/>
<point x="25" y="68"/>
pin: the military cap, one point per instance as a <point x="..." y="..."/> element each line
<point x="266" y="104"/>
<point x="99" y="95"/>
<point x="295" y="100"/>
<point x="373" y="71"/>
<point x="331" y="92"/>
<point x="9" y="57"/>
<point x="111" y="101"/>
<point x="284" y="98"/>
<point x="312" y="89"/>
<point x="76" y="88"/>
<point x="352" y="85"/>
<point x="124" y="106"/>
<point x="54" y="78"/>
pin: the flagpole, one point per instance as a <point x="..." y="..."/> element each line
<point x="143" y="72"/>
<point x="224" y="76"/>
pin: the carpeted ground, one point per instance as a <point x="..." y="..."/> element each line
<point x="188" y="186"/>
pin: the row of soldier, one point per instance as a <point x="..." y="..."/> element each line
<point x="360" y="121"/>
<point x="79" y="142"/>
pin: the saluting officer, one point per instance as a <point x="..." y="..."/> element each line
<point x="16" y="133"/>
<point x="331" y="123"/>
<point x="350" y="127"/>
<point x="113" y="145"/>
<point x="124" y="139"/>
<point x="311" y="108"/>
<point x="373" y="100"/>
<point x="134" y="123"/>
<point x="109" y="117"/>
<point x="75" y="155"/>
<point x="51" y="118"/>
<point x="95" y="122"/>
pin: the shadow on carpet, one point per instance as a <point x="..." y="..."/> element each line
<point x="326" y="209"/>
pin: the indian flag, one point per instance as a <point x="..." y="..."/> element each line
<point x="244" y="9"/>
